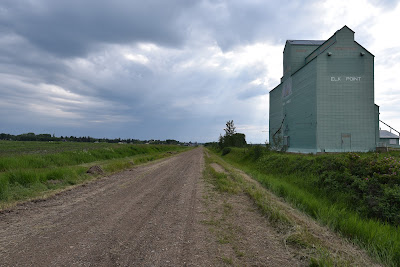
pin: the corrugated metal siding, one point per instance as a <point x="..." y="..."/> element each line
<point x="275" y="111"/>
<point x="300" y="110"/>
<point x="298" y="55"/>
<point x="345" y="98"/>
<point x="287" y="67"/>
<point x="294" y="57"/>
<point x="321" y="49"/>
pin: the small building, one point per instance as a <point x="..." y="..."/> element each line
<point x="325" y="101"/>
<point x="388" y="139"/>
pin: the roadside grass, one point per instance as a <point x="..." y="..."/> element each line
<point x="27" y="176"/>
<point x="112" y="166"/>
<point x="380" y="239"/>
<point x="232" y="182"/>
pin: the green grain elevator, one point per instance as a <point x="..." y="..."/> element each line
<point x="325" y="101"/>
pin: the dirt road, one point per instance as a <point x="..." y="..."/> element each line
<point x="161" y="214"/>
<point x="144" y="216"/>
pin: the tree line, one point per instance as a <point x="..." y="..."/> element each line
<point x="49" y="137"/>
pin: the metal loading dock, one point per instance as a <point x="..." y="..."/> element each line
<point x="325" y="101"/>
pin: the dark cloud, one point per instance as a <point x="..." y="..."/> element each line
<point x="73" y="28"/>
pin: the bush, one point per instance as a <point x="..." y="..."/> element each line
<point x="226" y="151"/>
<point x="256" y="152"/>
<point x="368" y="183"/>
<point x="389" y="205"/>
<point x="234" y="140"/>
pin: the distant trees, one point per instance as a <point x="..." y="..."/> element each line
<point x="28" y="137"/>
<point x="231" y="138"/>
<point x="49" y="137"/>
<point x="171" y="142"/>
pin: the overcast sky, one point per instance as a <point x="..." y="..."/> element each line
<point x="176" y="69"/>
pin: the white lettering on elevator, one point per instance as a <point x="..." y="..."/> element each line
<point x="346" y="78"/>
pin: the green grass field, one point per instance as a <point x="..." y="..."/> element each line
<point x="8" y="148"/>
<point x="33" y="169"/>
<point x="357" y="195"/>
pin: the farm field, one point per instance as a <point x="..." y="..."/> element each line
<point x="35" y="169"/>
<point x="37" y="147"/>
<point x="354" y="194"/>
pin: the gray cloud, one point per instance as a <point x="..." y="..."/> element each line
<point x="233" y="23"/>
<point x="73" y="28"/>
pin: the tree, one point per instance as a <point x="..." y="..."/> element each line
<point x="239" y="140"/>
<point x="230" y="128"/>
<point x="231" y="138"/>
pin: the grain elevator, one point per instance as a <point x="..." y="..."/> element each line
<point x="325" y="101"/>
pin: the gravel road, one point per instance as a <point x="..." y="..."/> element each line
<point x="141" y="217"/>
<point x="159" y="214"/>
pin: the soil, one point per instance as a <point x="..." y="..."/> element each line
<point x="95" y="170"/>
<point x="158" y="214"/>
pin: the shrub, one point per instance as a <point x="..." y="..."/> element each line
<point x="226" y="151"/>
<point x="256" y="152"/>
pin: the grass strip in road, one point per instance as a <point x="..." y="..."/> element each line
<point x="220" y="214"/>
<point x="233" y="182"/>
